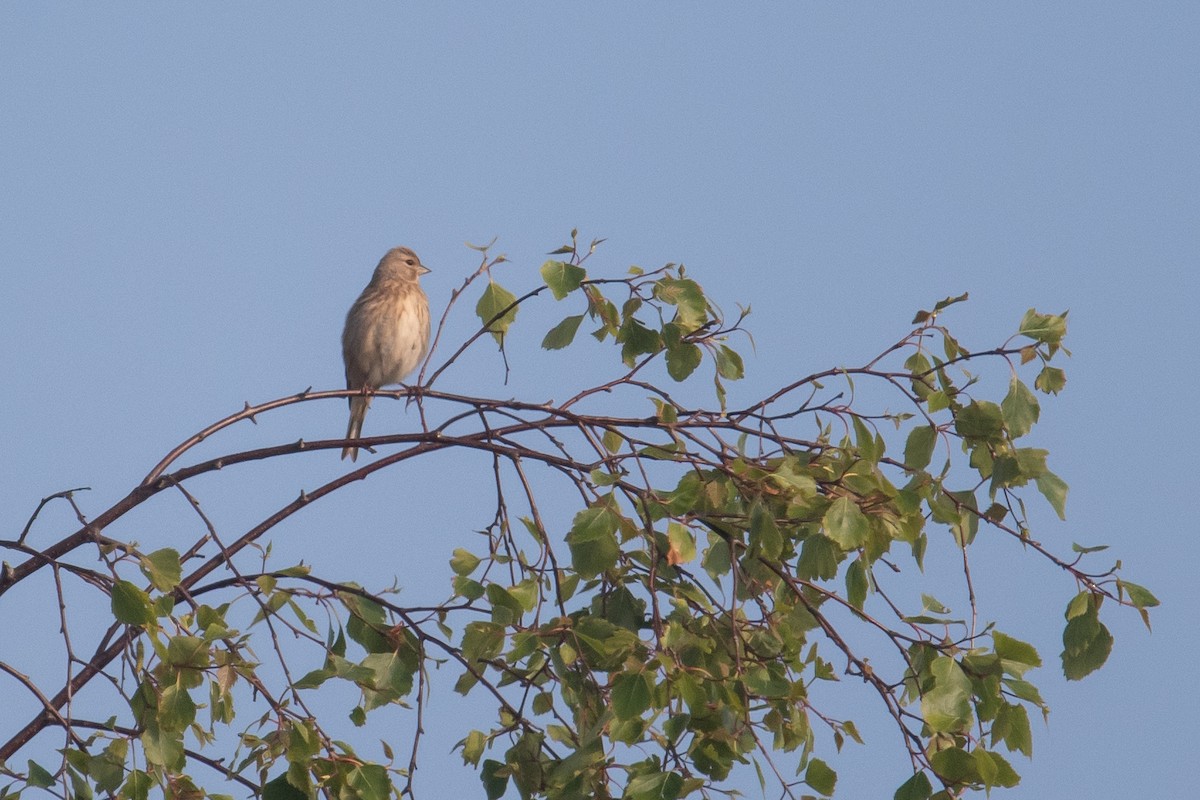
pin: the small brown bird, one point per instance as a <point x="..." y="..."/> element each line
<point x="387" y="332"/>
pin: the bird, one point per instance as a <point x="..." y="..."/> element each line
<point x="386" y="334"/>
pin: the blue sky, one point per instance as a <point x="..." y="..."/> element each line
<point x="192" y="197"/>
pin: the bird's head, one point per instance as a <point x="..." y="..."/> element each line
<point x="401" y="264"/>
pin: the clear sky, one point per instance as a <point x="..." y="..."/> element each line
<point x="191" y="197"/>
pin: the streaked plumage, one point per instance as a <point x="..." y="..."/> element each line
<point x="386" y="334"/>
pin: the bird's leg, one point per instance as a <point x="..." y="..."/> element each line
<point x="413" y="391"/>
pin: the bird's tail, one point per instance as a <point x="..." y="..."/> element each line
<point x="358" y="411"/>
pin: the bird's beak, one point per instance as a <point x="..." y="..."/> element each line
<point x="424" y="270"/>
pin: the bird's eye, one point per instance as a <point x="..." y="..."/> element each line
<point x="410" y="262"/>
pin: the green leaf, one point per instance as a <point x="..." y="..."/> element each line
<point x="313" y="679"/>
<point x="534" y="530"/>
<point x="987" y="769"/>
<point x="1046" y="328"/>
<point x="630" y="695"/>
<point x="654" y="786"/>
<point x="794" y="477"/>
<point x="1051" y="380"/>
<point x="163" y="748"/>
<point x="278" y="788"/>
<point x="1005" y="470"/>
<point x="543" y="702"/>
<point x="108" y="769"/>
<point x="131" y="605"/>
<point x="137" y="786"/>
<point x="691" y="309"/>
<point x="682" y="544"/>
<point x="472" y="747"/>
<point x="1086" y="645"/>
<point x="918" y="449"/>
<point x="481" y="641"/>
<point x="1020" y="409"/>
<point x="369" y="782"/>
<point x="392" y="675"/>
<point x="494" y="776"/>
<point x="81" y="789"/>
<point x="466" y="587"/>
<point x="636" y="339"/>
<point x="712" y="755"/>
<point x="562" y="278"/>
<point x="604" y="646"/>
<point x="994" y="770"/>
<point x="915" y="788"/>
<point x="562" y="334"/>
<point x="768" y="681"/>
<point x="820" y="777"/>
<point x="1031" y="461"/>
<point x="846" y="524"/>
<point x="593" y="541"/>
<point x="949" y="301"/>
<point x="491" y="310"/>
<point x="818" y="558"/>
<point x="366" y="623"/>
<point x="187" y="652"/>
<point x="464" y="562"/>
<point x="1012" y="727"/>
<point x="682" y="360"/>
<point x="1011" y="649"/>
<point x="729" y="363"/>
<point x="1140" y="596"/>
<point x="954" y="765"/>
<point x="869" y="443"/>
<point x="981" y="420"/>
<point x="931" y="603"/>
<point x="947" y="706"/>
<point x="526" y="593"/>
<point x="918" y="365"/>
<point x="38" y="776"/>
<point x="176" y="709"/>
<point x="506" y="609"/>
<point x="941" y="304"/>
<point x="686" y="495"/>
<point x="350" y="671"/>
<point x="162" y="568"/>
<point x="666" y="412"/>
<point x="1054" y="489"/>
<point x="600" y="307"/>
<point x="1080" y="604"/>
<point x="857" y="584"/>
<point x="765" y="538"/>
<point x="716" y="558"/>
